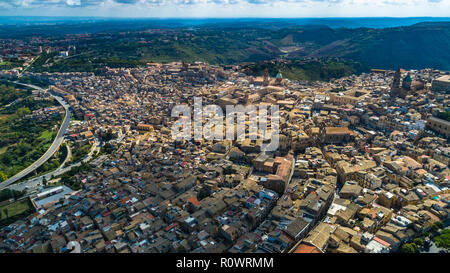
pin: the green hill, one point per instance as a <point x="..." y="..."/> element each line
<point x="413" y="47"/>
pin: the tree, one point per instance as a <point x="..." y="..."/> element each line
<point x="44" y="181"/>
<point x="418" y="241"/>
<point x="229" y="170"/>
<point x="443" y="240"/>
<point x="444" y="115"/>
<point x="108" y="136"/>
<point x="3" y="176"/>
<point x="23" y="111"/>
<point x="107" y="148"/>
<point x="7" y="194"/>
<point x="436" y="226"/>
<point x="409" y="248"/>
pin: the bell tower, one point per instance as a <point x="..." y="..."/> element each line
<point x="395" y="86"/>
<point x="266" y="76"/>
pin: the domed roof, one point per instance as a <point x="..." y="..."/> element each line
<point x="407" y="78"/>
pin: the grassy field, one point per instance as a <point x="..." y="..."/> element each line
<point x="15" y="211"/>
<point x="3" y="149"/>
<point x="46" y="135"/>
<point x="52" y="164"/>
<point x="80" y="153"/>
<point x="4" y="117"/>
<point x="10" y="63"/>
<point x="22" y="140"/>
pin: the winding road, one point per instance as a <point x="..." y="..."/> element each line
<point x="53" y="148"/>
<point x="33" y="184"/>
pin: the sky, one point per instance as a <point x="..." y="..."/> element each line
<point x="226" y="8"/>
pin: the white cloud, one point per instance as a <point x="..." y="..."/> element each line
<point x="73" y="2"/>
<point x="228" y="8"/>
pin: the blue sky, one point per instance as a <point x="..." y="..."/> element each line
<point x="226" y="8"/>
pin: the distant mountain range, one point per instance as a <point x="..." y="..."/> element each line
<point x="226" y="41"/>
<point x="413" y="47"/>
<point x="336" y="22"/>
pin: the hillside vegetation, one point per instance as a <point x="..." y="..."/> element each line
<point x="22" y="140"/>
<point x="413" y="47"/>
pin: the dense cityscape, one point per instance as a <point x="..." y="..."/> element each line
<point x="244" y="131"/>
<point x="362" y="165"/>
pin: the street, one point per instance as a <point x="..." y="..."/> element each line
<point x="53" y="148"/>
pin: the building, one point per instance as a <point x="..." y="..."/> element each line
<point x="441" y="84"/>
<point x="397" y="87"/>
<point x="50" y="192"/>
<point x="349" y="98"/>
<point x="371" y="181"/>
<point x="64" y="53"/>
<point x="70" y="99"/>
<point x="349" y="171"/>
<point x="336" y="135"/>
<point x="145" y="127"/>
<point x="306" y="248"/>
<point x="319" y="236"/>
<point x="297" y="229"/>
<point x="278" y="181"/>
<point x="439" y="125"/>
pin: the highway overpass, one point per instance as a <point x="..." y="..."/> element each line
<point x="53" y="148"/>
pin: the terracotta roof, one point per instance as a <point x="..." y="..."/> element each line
<point x="171" y="226"/>
<point x="382" y="241"/>
<point x="193" y="200"/>
<point x="304" y="248"/>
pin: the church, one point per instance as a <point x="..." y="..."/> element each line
<point x="403" y="86"/>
